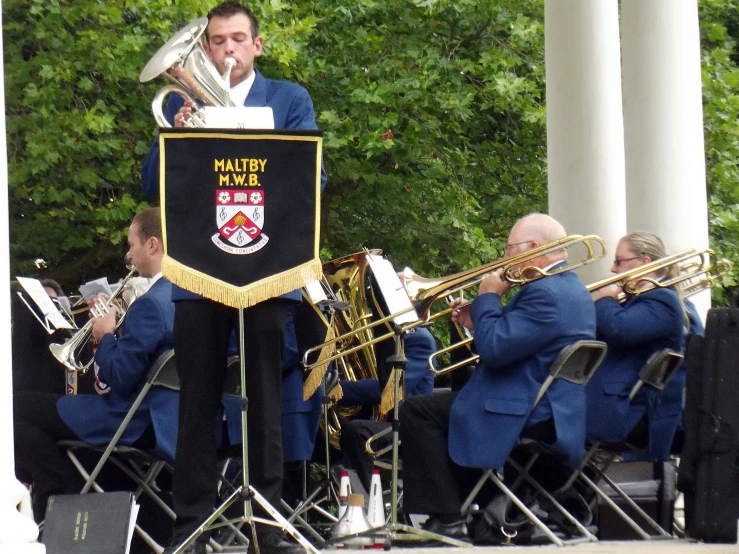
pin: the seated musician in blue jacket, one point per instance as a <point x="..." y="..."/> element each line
<point x="41" y="419"/>
<point x="634" y="330"/>
<point x="446" y="434"/>
<point x="419" y="344"/>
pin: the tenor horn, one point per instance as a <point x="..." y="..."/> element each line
<point x="68" y="353"/>
<point x="183" y="61"/>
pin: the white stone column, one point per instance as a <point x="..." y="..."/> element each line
<point x="18" y="532"/>
<point x="584" y="122"/>
<point x="663" y="124"/>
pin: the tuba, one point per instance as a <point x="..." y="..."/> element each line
<point x="183" y="60"/>
<point x="69" y="352"/>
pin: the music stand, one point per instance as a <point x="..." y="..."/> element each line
<point x="393" y="530"/>
<point x="310" y="501"/>
<point x="246" y="493"/>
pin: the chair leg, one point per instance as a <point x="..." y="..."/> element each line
<point x="615" y="507"/>
<point x="473" y="493"/>
<point x="151" y="543"/>
<point x="662" y="534"/>
<point x="523" y="473"/>
<point x="521" y="506"/>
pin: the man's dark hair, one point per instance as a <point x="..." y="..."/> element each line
<point x="150" y="224"/>
<point x="230" y="8"/>
<point x="53" y="285"/>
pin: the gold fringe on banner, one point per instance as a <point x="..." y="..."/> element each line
<point x="240" y="297"/>
<point x="313" y="381"/>
<point x="387" y="400"/>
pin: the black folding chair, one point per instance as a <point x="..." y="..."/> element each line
<point x="656" y="373"/>
<point x="140" y="466"/>
<point x="576" y="363"/>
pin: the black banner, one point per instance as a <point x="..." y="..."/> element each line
<point x="240" y="212"/>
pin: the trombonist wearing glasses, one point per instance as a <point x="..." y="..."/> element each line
<point x="634" y="330"/>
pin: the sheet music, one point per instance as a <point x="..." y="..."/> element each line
<point x="91" y="289"/>
<point x="315" y="292"/>
<point x="217" y="117"/>
<point x="393" y="291"/>
<point x="48" y="309"/>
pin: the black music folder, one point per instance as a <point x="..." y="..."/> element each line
<point x="94" y="523"/>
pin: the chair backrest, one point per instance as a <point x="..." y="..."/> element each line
<point x="658" y="370"/>
<point x="163" y="372"/>
<point x="575" y="363"/>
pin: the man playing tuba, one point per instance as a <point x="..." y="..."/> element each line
<point x="203" y="327"/>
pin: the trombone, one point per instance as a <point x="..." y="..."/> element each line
<point x="706" y="278"/>
<point x="424" y="292"/>
<point x="68" y="352"/>
<point x="700" y="270"/>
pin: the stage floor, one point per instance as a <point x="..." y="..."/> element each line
<point x="603" y="547"/>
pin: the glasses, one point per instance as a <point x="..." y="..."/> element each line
<point x="509" y="246"/>
<point x="619" y="261"/>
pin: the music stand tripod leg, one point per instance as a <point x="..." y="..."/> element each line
<point x="246" y="492"/>
<point x="398" y="361"/>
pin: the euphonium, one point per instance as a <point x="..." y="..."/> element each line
<point x="347" y="279"/>
<point x="183" y="60"/>
<point x="68" y="353"/>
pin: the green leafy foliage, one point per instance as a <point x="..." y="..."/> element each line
<point x="433" y="113"/>
<point x="719" y="57"/>
<point x="78" y="126"/>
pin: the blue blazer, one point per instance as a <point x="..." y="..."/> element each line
<point x="634" y="331"/>
<point x="517" y="344"/>
<point x="300" y="417"/>
<point x="124" y="363"/>
<point x="292" y="108"/>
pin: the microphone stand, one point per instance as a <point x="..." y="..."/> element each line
<point x="246" y="493"/>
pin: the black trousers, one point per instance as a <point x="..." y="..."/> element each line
<point x="432" y="482"/>
<point x="37" y="427"/>
<point x="354" y="435"/>
<point x="202" y="331"/>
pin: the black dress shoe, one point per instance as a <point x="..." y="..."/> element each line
<point x="274" y="541"/>
<point x="454" y="530"/>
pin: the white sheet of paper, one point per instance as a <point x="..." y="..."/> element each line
<point x="315" y="292"/>
<point x="239" y="117"/>
<point x="132" y="525"/>
<point x="92" y="288"/>
<point x="36" y="291"/>
<point x="393" y="291"/>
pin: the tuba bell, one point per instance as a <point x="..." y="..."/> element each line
<point x="184" y="61"/>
